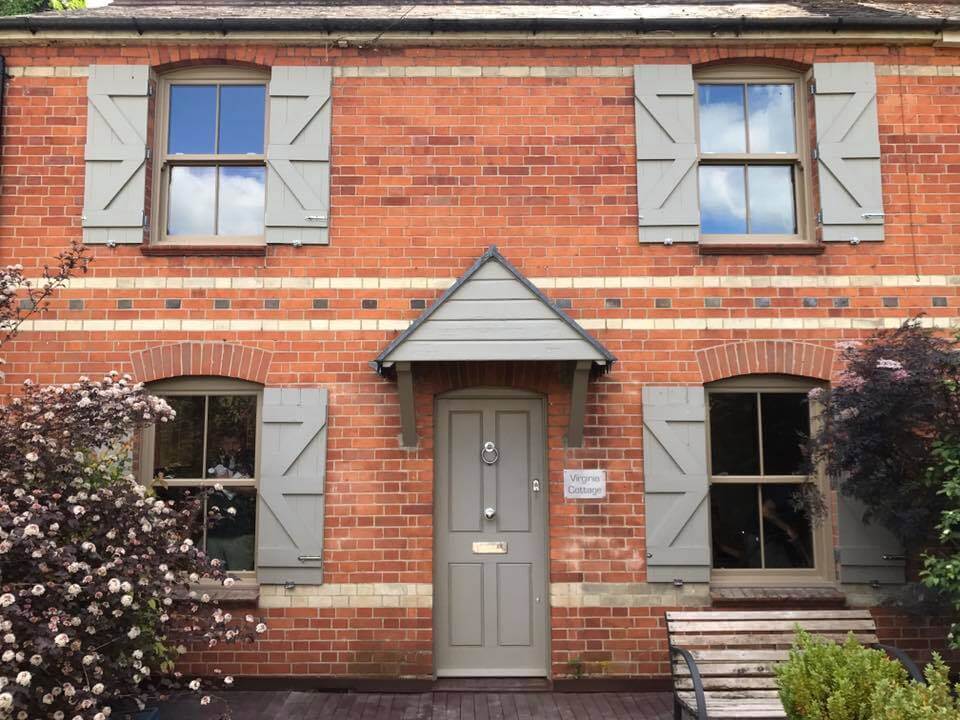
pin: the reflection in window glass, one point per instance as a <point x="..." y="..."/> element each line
<point x="241" y="119"/>
<point x="191" y="203"/>
<point x="231" y="436"/>
<point x="241" y="200"/>
<point x="722" y="126"/>
<point x="193" y="119"/>
<point x="771" y="199"/>
<point x="771" y="123"/>
<point x="231" y="537"/>
<point x="735" y="526"/>
<point x="723" y="205"/>
<point x="786" y="426"/>
<point x="787" y="535"/>
<point x="734" y="439"/>
<point x="179" y="496"/>
<point x="178" y="448"/>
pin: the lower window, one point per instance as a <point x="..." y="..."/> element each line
<point x="210" y="449"/>
<point x="760" y="529"/>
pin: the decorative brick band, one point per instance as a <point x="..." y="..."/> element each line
<point x="782" y="357"/>
<point x="348" y="595"/>
<point x="201" y="358"/>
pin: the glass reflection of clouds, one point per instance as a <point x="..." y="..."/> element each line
<point x="722" y="119"/>
<point x="723" y="205"/>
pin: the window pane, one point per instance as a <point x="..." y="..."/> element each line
<point x="231" y="538"/>
<point x="177" y="495"/>
<point x="772" y="127"/>
<point x="178" y="451"/>
<point x="786" y="425"/>
<point x="232" y="436"/>
<point x="771" y="199"/>
<point x="241" y="200"/>
<point x="735" y="526"/>
<point x="723" y="208"/>
<point x="193" y="119"/>
<point x="733" y="434"/>
<point x="192" y="198"/>
<point x="722" y="126"/>
<point x="787" y="535"/>
<point x="241" y="119"/>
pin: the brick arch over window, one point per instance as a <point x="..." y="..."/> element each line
<point x="776" y="357"/>
<point x="201" y="358"/>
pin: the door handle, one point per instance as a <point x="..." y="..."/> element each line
<point x="489" y="513"/>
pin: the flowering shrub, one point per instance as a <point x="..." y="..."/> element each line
<point x="894" y="400"/>
<point x="97" y="577"/>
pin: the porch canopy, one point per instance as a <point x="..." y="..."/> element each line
<point x="493" y="313"/>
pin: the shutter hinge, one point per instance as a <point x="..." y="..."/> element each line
<point x="147" y="153"/>
<point x="815" y="153"/>
<point x="678" y="582"/>
<point x="813" y="88"/>
<point x="819" y="217"/>
<point x="146" y="220"/>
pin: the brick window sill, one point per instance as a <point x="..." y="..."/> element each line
<point x="242" y="593"/>
<point x="760" y="249"/>
<point x="204" y="250"/>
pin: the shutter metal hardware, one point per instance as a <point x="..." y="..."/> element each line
<point x="298" y="243"/>
<point x="536" y="485"/>
<point x="868" y="215"/>
<point x="668" y="241"/>
<point x="816" y="154"/>
<point x="678" y="582"/>
<point x="147" y="154"/>
<point x="649" y="555"/>
<point x="893" y="558"/>
<point x="309" y="558"/>
<point x="875" y="584"/>
<point x="820" y="217"/>
<point x="111" y="243"/>
<point x="289" y="584"/>
<point x="854" y="240"/>
<point x="813" y="88"/>
<point x="316" y="217"/>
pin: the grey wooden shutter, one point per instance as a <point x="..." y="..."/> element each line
<point x="116" y="152"/>
<point x="298" y="156"/>
<point x="667" y="191"/>
<point x="675" y="484"/>
<point x="868" y="552"/>
<point x="848" y="151"/>
<point x="293" y="454"/>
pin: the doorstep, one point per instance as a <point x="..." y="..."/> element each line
<point x="777" y="597"/>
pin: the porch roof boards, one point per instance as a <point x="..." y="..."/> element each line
<point x="493" y="313"/>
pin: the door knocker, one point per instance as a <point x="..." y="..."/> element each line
<point x="489" y="454"/>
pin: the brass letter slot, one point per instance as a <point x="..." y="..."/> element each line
<point x="490" y="548"/>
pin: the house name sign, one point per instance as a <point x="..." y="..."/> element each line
<point x="584" y="484"/>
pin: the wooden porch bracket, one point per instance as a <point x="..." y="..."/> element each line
<point x="578" y="403"/>
<point x="408" y="416"/>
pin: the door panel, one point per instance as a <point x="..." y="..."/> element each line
<point x="490" y="602"/>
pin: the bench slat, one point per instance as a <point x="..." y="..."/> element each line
<point x="735" y="669"/>
<point x="695" y="639"/>
<point x="757" y="683"/>
<point x="768" y="615"/>
<point x="838" y="625"/>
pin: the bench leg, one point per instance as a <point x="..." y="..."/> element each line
<point x="677" y="709"/>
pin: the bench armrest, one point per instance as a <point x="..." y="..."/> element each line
<point x="695" y="677"/>
<point x="900" y="655"/>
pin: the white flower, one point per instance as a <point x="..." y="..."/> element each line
<point x="88" y="659"/>
<point x="7" y="655"/>
<point x="78" y="510"/>
<point x="24" y="678"/>
<point x="205" y="700"/>
<point x="32" y="456"/>
<point x="134" y="633"/>
<point x="7" y="599"/>
<point x="126" y="586"/>
<point x="31" y="530"/>
<point x="9" y="638"/>
<point x="218" y="487"/>
<point x="38" y="589"/>
<point x="6" y="701"/>
<point x="194" y="685"/>
<point x="261" y="628"/>
<point x="126" y="601"/>
<point x="114" y="585"/>
<point x="100" y="716"/>
<point x="35" y="660"/>
<point x="138" y="654"/>
<point x="97" y="689"/>
<point x="231" y="511"/>
<point x="228" y="680"/>
<point x="73" y="589"/>
<point x="61" y="640"/>
<point x="205" y="598"/>
<point x="227" y="582"/>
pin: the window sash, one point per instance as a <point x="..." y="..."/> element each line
<point x="802" y="198"/>
<point x="165" y="161"/>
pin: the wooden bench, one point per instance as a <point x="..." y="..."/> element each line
<point x="722" y="661"/>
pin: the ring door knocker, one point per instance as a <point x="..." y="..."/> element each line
<point x="489" y="454"/>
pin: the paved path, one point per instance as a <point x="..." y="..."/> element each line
<point x="429" y="706"/>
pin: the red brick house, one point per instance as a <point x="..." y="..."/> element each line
<point x="495" y="322"/>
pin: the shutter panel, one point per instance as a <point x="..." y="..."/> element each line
<point x="848" y="151"/>
<point x="115" y="154"/>
<point x="868" y="553"/>
<point x="675" y="484"/>
<point x="293" y="453"/>
<point x="667" y="191"/>
<point x="298" y="156"/>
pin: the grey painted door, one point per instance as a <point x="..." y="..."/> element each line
<point x="490" y="608"/>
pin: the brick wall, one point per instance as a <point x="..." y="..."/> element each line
<point x="438" y="153"/>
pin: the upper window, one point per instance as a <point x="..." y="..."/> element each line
<point x="757" y="468"/>
<point x="211" y="164"/>
<point x="211" y="445"/>
<point x="752" y="164"/>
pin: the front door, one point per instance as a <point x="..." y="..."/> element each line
<point x="491" y="543"/>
